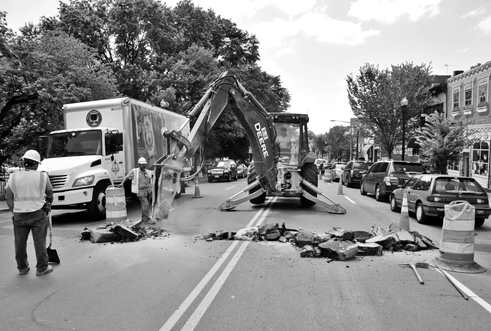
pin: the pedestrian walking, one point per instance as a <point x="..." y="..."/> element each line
<point x="29" y="196"/>
<point x="141" y="185"/>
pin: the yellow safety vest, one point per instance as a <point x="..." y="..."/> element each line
<point x="28" y="187"/>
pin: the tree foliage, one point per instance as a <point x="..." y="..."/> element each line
<point x="338" y="142"/>
<point x="172" y="54"/>
<point x="442" y="140"/>
<point x="375" y="95"/>
<point x="40" y="73"/>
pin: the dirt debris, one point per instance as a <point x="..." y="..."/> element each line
<point x="335" y="244"/>
<point x="123" y="231"/>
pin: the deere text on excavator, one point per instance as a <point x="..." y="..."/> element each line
<point x="282" y="162"/>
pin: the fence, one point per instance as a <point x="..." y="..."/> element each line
<point x="2" y="189"/>
<point x="4" y="177"/>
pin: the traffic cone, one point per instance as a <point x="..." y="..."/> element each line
<point x="196" y="188"/>
<point x="340" y="187"/>
<point x="404" y="221"/>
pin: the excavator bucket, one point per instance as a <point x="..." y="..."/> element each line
<point x="167" y="174"/>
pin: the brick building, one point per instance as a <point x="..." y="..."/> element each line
<point x="468" y="95"/>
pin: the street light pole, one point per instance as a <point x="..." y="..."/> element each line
<point x="404" y="103"/>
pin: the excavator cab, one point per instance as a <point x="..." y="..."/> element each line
<point x="291" y="137"/>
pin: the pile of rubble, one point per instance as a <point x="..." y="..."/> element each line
<point x="336" y="244"/>
<point x="123" y="231"/>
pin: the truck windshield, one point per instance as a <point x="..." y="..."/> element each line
<point x="75" y="144"/>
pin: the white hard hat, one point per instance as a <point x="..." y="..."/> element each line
<point x="142" y="160"/>
<point x="32" y="155"/>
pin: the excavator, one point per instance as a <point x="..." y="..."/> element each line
<point x="282" y="162"/>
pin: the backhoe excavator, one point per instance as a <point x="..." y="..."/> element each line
<point x="282" y="163"/>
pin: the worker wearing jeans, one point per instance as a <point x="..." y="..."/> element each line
<point x="141" y="184"/>
<point x="29" y="195"/>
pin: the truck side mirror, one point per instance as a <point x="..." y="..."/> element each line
<point x="118" y="139"/>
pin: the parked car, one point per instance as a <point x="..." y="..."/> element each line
<point x="354" y="171"/>
<point x="223" y="169"/>
<point x="428" y="194"/>
<point x="242" y="170"/>
<point x="337" y="169"/>
<point x="384" y="177"/>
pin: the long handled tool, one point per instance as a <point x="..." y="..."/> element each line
<point x="52" y="254"/>
<point x="452" y="282"/>
<point x="413" y="266"/>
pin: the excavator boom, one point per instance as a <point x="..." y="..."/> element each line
<point x="272" y="175"/>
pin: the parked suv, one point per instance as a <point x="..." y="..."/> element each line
<point x="354" y="171"/>
<point x="384" y="177"/>
<point x="223" y="169"/>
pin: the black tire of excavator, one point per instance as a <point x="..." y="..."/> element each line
<point x="251" y="177"/>
<point x="309" y="173"/>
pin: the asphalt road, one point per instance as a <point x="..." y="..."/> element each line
<point x="183" y="283"/>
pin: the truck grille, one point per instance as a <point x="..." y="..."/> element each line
<point x="58" y="181"/>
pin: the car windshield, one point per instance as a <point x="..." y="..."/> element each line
<point x="362" y="166"/>
<point x="458" y="185"/>
<point x="220" y="164"/>
<point x="402" y="167"/>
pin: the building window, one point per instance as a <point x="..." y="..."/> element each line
<point x="482" y="92"/>
<point x="480" y="154"/>
<point x="456" y="97"/>
<point x="468" y="96"/>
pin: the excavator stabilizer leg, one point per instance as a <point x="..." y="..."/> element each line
<point x="333" y="208"/>
<point x="230" y="204"/>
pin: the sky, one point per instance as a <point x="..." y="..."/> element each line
<point x="313" y="45"/>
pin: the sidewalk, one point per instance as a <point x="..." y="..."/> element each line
<point x="3" y="206"/>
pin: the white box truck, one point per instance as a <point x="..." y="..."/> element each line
<point x="100" y="144"/>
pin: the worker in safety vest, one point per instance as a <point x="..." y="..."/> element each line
<point x="141" y="185"/>
<point x="29" y="195"/>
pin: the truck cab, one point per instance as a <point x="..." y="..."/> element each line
<point x="81" y="164"/>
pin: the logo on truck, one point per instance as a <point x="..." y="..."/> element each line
<point x="262" y="135"/>
<point x="94" y="118"/>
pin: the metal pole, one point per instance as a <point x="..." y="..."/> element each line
<point x="357" y="137"/>
<point x="350" y="144"/>
<point x="403" y="131"/>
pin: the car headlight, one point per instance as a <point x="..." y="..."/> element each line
<point x="84" y="181"/>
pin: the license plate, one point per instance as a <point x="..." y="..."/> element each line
<point x="216" y="176"/>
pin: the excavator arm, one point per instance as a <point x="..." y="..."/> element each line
<point x="224" y="92"/>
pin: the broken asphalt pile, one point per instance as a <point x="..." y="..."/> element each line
<point x="336" y="244"/>
<point x="123" y="231"/>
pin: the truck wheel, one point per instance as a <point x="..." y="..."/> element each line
<point x="251" y="177"/>
<point x="97" y="207"/>
<point x="309" y="173"/>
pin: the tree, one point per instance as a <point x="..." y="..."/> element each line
<point x="41" y="74"/>
<point x="375" y="95"/>
<point x="442" y="140"/>
<point x="338" y="142"/>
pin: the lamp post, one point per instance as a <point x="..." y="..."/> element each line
<point x="350" y="138"/>
<point x="404" y="103"/>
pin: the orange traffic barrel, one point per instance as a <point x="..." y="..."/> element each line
<point x="115" y="204"/>
<point x="457" y="243"/>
